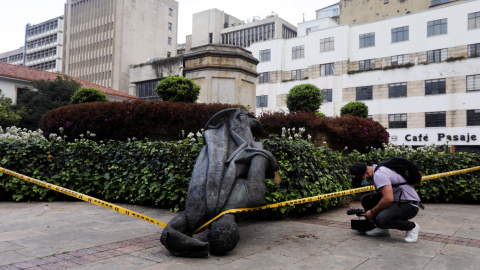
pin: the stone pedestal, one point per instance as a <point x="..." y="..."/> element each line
<point x="225" y="73"/>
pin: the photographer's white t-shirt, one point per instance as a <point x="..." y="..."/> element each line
<point x="385" y="177"/>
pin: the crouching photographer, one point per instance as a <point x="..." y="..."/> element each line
<point x="395" y="202"/>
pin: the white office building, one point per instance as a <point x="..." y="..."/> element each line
<point x="418" y="72"/>
<point x="42" y="49"/>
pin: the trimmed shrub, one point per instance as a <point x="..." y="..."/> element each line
<point x="350" y="131"/>
<point x="127" y="119"/>
<point x="356" y="108"/>
<point x="158" y="173"/>
<point x="304" y="97"/>
<point x="84" y="95"/>
<point x="178" y="89"/>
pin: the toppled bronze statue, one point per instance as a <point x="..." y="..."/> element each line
<point x="229" y="173"/>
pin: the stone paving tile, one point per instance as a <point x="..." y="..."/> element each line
<point x="24" y="265"/>
<point x="39" y="262"/>
<point x="422" y="235"/>
<point x="65" y="256"/>
<point x="9" y="267"/>
<point x="109" y="251"/>
<point x="79" y="260"/>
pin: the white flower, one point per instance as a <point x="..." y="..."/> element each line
<point x="190" y="135"/>
<point x="199" y="135"/>
<point x="309" y="137"/>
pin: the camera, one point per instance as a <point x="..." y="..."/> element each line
<point x="361" y="224"/>
<point x="358" y="212"/>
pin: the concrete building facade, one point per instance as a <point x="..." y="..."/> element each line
<point x="360" y="11"/>
<point x="14" y="57"/>
<point x="43" y="48"/>
<point x="44" y="45"/>
<point x="217" y="27"/>
<point x="418" y="73"/>
<point x="104" y="37"/>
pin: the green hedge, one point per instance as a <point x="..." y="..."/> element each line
<point x="157" y="173"/>
<point x="460" y="188"/>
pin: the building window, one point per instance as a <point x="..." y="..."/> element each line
<point x="297" y="74"/>
<point x="367" y="40"/>
<point x="327" y="95"/>
<point x="473" y="117"/>
<point x="400" y="59"/>
<point x="170" y="41"/>
<point x="327" y="45"/>
<point x="298" y="52"/>
<point x="327" y="69"/>
<point x="474" y="50"/>
<point x="397" y="90"/>
<point x="435" y="119"/>
<point x="473" y="83"/>
<point x="265" y="55"/>
<point x="170" y="11"/>
<point x="366" y="64"/>
<point x="364" y="93"/>
<point x="170" y="26"/>
<point x="439" y="2"/>
<point x="397" y="120"/>
<point x="474" y="20"/>
<point x="400" y="34"/>
<point x="437" y="55"/>
<point x="264" y="77"/>
<point x="262" y="101"/>
<point x="433" y="87"/>
<point x="436" y="27"/>
<point x="145" y="90"/>
<point x="169" y="54"/>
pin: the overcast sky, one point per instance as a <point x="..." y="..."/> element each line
<point x="15" y="14"/>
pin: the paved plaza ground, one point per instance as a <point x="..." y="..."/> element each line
<point x="79" y="235"/>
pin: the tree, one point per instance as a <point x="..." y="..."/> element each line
<point x="8" y="115"/>
<point x="178" y="89"/>
<point x="356" y="108"/>
<point x="304" y="97"/>
<point x="85" y="95"/>
<point x="50" y="95"/>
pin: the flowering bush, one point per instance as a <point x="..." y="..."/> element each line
<point x="349" y="131"/>
<point x="158" y="173"/>
<point x="18" y="134"/>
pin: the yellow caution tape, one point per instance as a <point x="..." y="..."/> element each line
<point x="325" y="196"/>
<point x="85" y="198"/>
<point x="239" y="210"/>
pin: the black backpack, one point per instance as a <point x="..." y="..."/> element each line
<point x="404" y="167"/>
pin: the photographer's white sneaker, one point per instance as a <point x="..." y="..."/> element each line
<point x="412" y="235"/>
<point x="378" y="232"/>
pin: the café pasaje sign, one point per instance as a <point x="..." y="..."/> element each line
<point x="441" y="137"/>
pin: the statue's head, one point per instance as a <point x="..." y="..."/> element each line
<point x="238" y="119"/>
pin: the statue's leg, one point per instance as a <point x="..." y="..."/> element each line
<point x="223" y="235"/>
<point x="174" y="239"/>
<point x="255" y="183"/>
